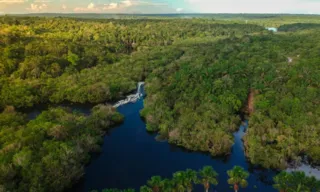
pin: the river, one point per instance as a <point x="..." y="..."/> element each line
<point x="130" y="156"/>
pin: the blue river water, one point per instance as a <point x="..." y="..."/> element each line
<point x="130" y="156"/>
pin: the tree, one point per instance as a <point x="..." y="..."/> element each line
<point x="155" y="183"/>
<point x="238" y="176"/>
<point x="73" y="58"/>
<point x="208" y="176"/>
<point x="296" y="181"/>
<point x="179" y="179"/>
<point x="167" y="185"/>
<point x="191" y="178"/>
<point x="313" y="184"/>
<point x="282" y="181"/>
<point x="145" y="189"/>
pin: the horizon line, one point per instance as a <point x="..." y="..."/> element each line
<point x="175" y="13"/>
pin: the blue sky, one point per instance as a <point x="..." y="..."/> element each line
<point x="160" y="6"/>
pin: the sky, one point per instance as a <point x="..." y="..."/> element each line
<point x="160" y="6"/>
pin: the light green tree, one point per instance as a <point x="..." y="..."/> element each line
<point x="238" y="177"/>
<point x="208" y="176"/>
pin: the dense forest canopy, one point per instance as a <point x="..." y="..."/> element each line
<point x="211" y="83"/>
<point x="200" y="74"/>
<point x="48" y="59"/>
<point x="49" y="152"/>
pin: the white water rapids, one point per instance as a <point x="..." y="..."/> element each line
<point x="131" y="98"/>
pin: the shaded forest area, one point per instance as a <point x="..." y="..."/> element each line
<point x="198" y="74"/>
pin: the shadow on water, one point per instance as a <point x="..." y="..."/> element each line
<point x="130" y="156"/>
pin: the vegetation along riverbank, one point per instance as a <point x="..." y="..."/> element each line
<point x="207" y="177"/>
<point x="200" y="73"/>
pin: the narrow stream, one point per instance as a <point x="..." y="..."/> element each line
<point x="130" y="156"/>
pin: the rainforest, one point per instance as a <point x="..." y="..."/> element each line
<point x="204" y="77"/>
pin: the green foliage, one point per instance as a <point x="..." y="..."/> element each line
<point x="73" y="58"/>
<point x="295" y="181"/>
<point x="198" y="72"/>
<point x="155" y="183"/>
<point x="145" y="189"/>
<point x="49" y="152"/>
<point x="298" y="26"/>
<point x="238" y="176"/>
<point x="117" y="190"/>
<point x="181" y="181"/>
<point x="190" y="178"/>
<point x="195" y="101"/>
<point x="208" y="176"/>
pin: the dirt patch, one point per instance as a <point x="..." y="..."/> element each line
<point x="250" y="107"/>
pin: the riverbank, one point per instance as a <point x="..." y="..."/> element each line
<point x="130" y="155"/>
<point x="143" y="156"/>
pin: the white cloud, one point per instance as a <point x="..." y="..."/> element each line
<point x="110" y="6"/>
<point x="64" y="7"/>
<point x="42" y="1"/>
<point x="12" y="1"/>
<point x="91" y="6"/>
<point x="37" y="7"/>
<point x="127" y="3"/>
<point x="116" y="7"/>
<point x="255" y="6"/>
<point x="179" y="9"/>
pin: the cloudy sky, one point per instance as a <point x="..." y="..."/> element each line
<point x="160" y="6"/>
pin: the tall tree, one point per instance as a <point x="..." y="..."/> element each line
<point x="238" y="176"/>
<point x="208" y="176"/>
<point x="191" y="178"/>
<point x="145" y="189"/>
<point x="179" y="179"/>
<point x="155" y="183"/>
<point x="167" y="185"/>
<point x="282" y="181"/>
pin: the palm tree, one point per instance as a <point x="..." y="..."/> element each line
<point x="167" y="185"/>
<point x="238" y="176"/>
<point x="179" y="179"/>
<point x="155" y="183"/>
<point x="282" y="181"/>
<point x="191" y="178"/>
<point x="208" y="176"/>
<point x="145" y="189"/>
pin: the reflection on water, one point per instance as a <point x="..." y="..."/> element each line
<point x="308" y="169"/>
